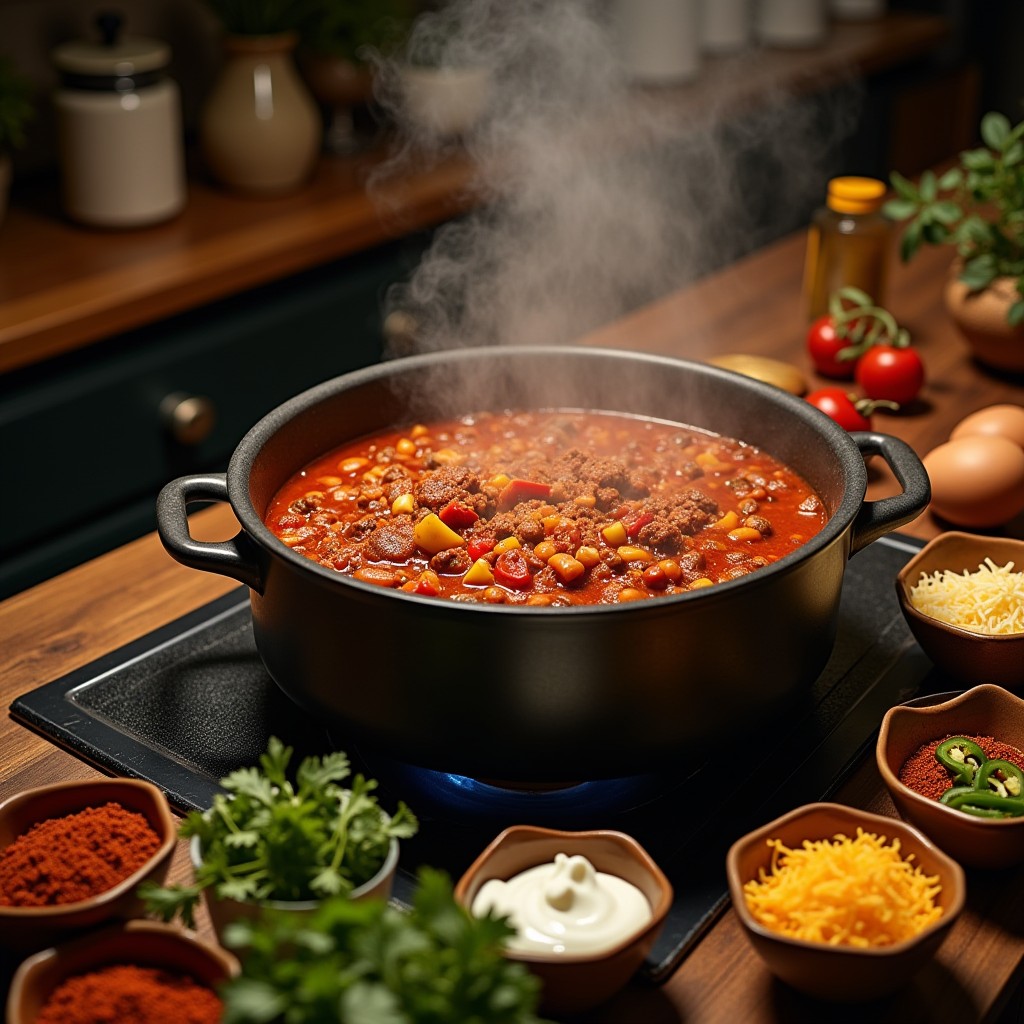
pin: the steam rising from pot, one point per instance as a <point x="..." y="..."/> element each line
<point x="596" y="195"/>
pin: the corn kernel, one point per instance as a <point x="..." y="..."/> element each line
<point x="405" y="447"/>
<point x="500" y="480"/>
<point x="630" y="594"/>
<point x="615" y="534"/>
<point x="566" y="567"/>
<point x="404" y="503"/>
<point x="701" y="583"/>
<point x="419" y="431"/>
<point x="545" y="549"/>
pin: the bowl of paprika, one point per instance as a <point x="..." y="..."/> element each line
<point x="136" y="970"/>
<point x="954" y="767"/>
<point x="73" y="853"/>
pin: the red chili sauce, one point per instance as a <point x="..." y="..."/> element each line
<point x="546" y="508"/>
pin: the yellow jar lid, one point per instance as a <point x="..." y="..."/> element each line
<point x="855" y="195"/>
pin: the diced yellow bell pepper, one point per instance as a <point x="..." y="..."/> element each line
<point x="479" y="574"/>
<point x="631" y="553"/>
<point x="507" y="545"/>
<point x="615" y="534"/>
<point x="432" y="535"/>
<point x="403" y="503"/>
<point x="728" y="522"/>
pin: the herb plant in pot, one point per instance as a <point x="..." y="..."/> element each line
<point x="16" y="110"/>
<point x="977" y="207"/>
<point x="269" y="841"/>
<point x="338" y="44"/>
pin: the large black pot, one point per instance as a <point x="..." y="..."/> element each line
<point x="521" y="693"/>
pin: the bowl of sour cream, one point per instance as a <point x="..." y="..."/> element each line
<point x="586" y="908"/>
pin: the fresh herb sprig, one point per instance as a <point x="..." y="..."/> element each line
<point x="976" y="207"/>
<point x="268" y="838"/>
<point x="858" y="319"/>
<point x="373" y="963"/>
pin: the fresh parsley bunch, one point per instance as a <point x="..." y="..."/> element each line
<point x="375" y="964"/>
<point x="267" y="838"/>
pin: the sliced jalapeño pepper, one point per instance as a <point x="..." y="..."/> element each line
<point x="999" y="776"/>
<point x="983" y="803"/>
<point x="960" y="756"/>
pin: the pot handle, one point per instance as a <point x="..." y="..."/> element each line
<point x="879" y="517"/>
<point x="236" y="558"/>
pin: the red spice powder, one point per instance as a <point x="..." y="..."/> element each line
<point x="924" y="774"/>
<point x="64" y="860"/>
<point x="127" y="994"/>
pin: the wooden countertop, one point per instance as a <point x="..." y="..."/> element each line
<point x="752" y="306"/>
<point x="63" y="286"/>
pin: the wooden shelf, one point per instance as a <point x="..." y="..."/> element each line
<point x="63" y="286"/>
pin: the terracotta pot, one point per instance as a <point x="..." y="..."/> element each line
<point x="981" y="318"/>
<point x="259" y="129"/>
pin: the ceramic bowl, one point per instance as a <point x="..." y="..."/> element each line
<point x="578" y="982"/>
<point x="27" y="928"/>
<point x="842" y="973"/>
<point x="965" y="656"/>
<point x="142" y="943"/>
<point x="984" y="710"/>
<point x="225" y="911"/>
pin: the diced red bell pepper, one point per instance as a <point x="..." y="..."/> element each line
<point x="636" y="522"/>
<point x="479" y="547"/>
<point x="516" y="491"/>
<point x="426" y="587"/>
<point x="511" y="570"/>
<point x="457" y="515"/>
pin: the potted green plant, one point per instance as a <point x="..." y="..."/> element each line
<point x="271" y="840"/>
<point x="977" y="208"/>
<point x="432" y="964"/>
<point x="339" y="42"/>
<point x="16" y="110"/>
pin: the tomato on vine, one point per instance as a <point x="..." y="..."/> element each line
<point x="849" y="411"/>
<point x="894" y="373"/>
<point x="859" y="340"/>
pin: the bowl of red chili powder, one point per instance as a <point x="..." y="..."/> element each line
<point x="73" y="853"/>
<point x="988" y="715"/>
<point x="140" y="971"/>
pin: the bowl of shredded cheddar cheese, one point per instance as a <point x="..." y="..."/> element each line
<point x="842" y="904"/>
<point x="962" y="595"/>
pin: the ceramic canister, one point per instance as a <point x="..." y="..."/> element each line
<point x="659" y="39"/>
<point x="119" y="130"/>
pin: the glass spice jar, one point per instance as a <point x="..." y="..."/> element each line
<point x="847" y="243"/>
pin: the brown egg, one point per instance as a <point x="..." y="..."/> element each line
<point x="976" y="480"/>
<point x="993" y="421"/>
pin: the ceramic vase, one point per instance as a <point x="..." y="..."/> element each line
<point x="339" y="85"/>
<point x="259" y="128"/>
<point x="981" y="319"/>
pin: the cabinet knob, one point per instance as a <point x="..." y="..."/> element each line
<point x="188" y="418"/>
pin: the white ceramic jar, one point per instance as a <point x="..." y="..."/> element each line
<point x="725" y="25"/>
<point x="119" y="130"/>
<point x="791" y="23"/>
<point x="659" y="40"/>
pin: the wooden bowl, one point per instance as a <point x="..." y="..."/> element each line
<point x="574" y="983"/>
<point x="142" y="943"/>
<point x="32" y="928"/>
<point x="959" y="653"/>
<point x="842" y="973"/>
<point x="985" y="710"/>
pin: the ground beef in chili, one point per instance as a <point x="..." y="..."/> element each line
<point x="599" y="507"/>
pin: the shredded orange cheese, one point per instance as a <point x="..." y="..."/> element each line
<point x="844" y="892"/>
<point x="989" y="600"/>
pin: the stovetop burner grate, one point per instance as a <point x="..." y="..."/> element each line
<point x="190" y="702"/>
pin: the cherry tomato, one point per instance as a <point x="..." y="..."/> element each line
<point x="888" y="372"/>
<point x="847" y="410"/>
<point x="824" y="345"/>
<point x="511" y="570"/>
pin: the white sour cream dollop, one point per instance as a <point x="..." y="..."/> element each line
<point x="565" y="906"/>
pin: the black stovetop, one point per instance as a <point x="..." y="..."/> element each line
<point x="191" y="702"/>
